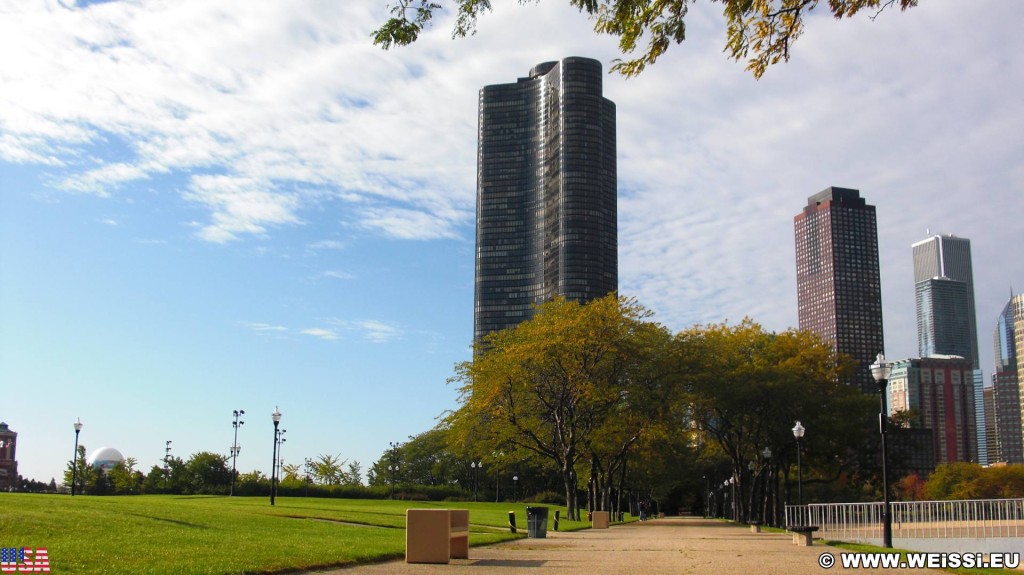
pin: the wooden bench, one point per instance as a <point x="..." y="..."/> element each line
<point x="436" y="535"/>
<point x="803" y="535"/>
<point x="600" y="519"/>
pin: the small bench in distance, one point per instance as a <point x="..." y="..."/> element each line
<point x="803" y="535"/>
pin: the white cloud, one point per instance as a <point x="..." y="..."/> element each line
<point x="326" y="245"/>
<point x="263" y="327"/>
<point x="320" y="333"/>
<point x="408" y="224"/>
<point x="239" y="206"/>
<point x="377" y="331"/>
<point x="374" y="331"/>
<point x="338" y="275"/>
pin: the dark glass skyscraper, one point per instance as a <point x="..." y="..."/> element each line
<point x="941" y="262"/>
<point x="839" y="287"/>
<point x="546" y="193"/>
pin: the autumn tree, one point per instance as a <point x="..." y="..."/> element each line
<point x="751" y="386"/>
<point x="548" y="385"/>
<point x="761" y="32"/>
<point x="647" y="412"/>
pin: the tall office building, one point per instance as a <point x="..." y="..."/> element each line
<point x="946" y="320"/>
<point x="546" y="193"/>
<point x="942" y="321"/>
<point x="943" y="265"/>
<point x="839" y="288"/>
<point x="1007" y="400"/>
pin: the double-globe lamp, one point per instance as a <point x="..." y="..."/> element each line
<point x="74" y="457"/>
<point x="273" y="467"/>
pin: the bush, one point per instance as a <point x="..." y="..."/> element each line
<point x="549" y="497"/>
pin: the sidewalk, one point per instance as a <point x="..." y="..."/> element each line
<point x="675" y="546"/>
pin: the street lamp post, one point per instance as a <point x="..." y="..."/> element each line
<point x="234" y="445"/>
<point x="276" y="416"/>
<point x="167" y="462"/>
<point x="393" y="466"/>
<point x="280" y="443"/>
<point x="732" y="485"/>
<point x="476" y="465"/>
<point x="74" y="459"/>
<point x="515" y="484"/>
<point x="765" y="486"/>
<point x="754" y="472"/>
<point x="798" y="433"/>
<point x="308" y="463"/>
<point x="707" y="496"/>
<point x="880" y="370"/>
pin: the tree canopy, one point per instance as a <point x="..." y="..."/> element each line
<point x="572" y="384"/>
<point x="761" y="32"/>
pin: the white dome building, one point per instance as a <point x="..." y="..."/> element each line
<point x="104" y="458"/>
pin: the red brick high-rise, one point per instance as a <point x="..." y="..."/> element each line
<point x="839" y="287"/>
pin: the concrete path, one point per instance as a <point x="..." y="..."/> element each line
<point x="676" y="546"/>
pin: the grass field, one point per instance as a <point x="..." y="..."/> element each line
<point x="167" y="534"/>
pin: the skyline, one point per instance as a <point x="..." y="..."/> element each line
<point x="233" y="206"/>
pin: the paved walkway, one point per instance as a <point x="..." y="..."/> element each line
<point x="676" y="546"/>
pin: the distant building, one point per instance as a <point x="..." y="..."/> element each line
<point x="839" y="287"/>
<point x="939" y="391"/>
<point x="8" y="461"/>
<point x="104" y="459"/>
<point x="947" y="258"/>
<point x="943" y="324"/>
<point x="946" y="320"/>
<point x="991" y="435"/>
<point x="1006" y="393"/>
<point x="546" y="193"/>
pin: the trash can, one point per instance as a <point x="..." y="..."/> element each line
<point x="537" y="522"/>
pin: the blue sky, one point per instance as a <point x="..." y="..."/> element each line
<point x="209" y="206"/>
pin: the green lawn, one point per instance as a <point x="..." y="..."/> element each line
<point x="158" y="534"/>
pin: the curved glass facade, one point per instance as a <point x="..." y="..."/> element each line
<point x="546" y="193"/>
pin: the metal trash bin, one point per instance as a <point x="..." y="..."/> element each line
<point x="537" y="522"/>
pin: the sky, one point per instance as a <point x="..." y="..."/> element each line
<point x="211" y="206"/>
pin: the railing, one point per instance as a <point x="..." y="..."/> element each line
<point x="962" y="519"/>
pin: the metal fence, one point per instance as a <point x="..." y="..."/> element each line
<point x="962" y="519"/>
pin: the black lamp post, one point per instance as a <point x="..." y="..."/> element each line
<point x="74" y="459"/>
<point x="515" y="484"/>
<point x="767" y="453"/>
<point x="238" y="413"/>
<point x="476" y="465"/>
<point x="732" y="488"/>
<point x="280" y="443"/>
<point x="798" y="433"/>
<point x="167" y="462"/>
<point x="880" y="370"/>
<point x="393" y="466"/>
<point x="308" y="464"/>
<point x="273" y="466"/>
